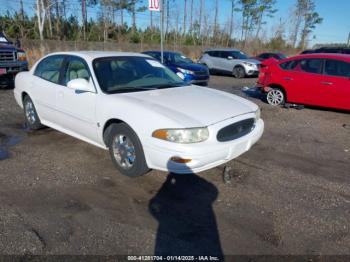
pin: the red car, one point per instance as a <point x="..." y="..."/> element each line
<point x="312" y="79"/>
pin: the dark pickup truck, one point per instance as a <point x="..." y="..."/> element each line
<point x="12" y="60"/>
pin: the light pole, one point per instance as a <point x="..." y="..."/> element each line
<point x="161" y="31"/>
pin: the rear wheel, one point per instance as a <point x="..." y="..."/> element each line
<point x="30" y="114"/>
<point x="126" y="150"/>
<point x="238" y="72"/>
<point x="275" y="97"/>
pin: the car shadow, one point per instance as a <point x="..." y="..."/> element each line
<point x="254" y="92"/>
<point x="186" y="219"/>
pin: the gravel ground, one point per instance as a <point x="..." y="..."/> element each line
<point x="290" y="194"/>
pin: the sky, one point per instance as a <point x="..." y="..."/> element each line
<point x="335" y="27"/>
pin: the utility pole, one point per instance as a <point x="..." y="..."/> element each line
<point x="162" y="31"/>
<point x="349" y="40"/>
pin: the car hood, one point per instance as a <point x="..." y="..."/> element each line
<point x="191" y="66"/>
<point x="7" y="47"/>
<point x="192" y="106"/>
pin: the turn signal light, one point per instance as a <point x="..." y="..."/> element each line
<point x="161" y="134"/>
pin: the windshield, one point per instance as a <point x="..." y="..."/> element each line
<point x="3" y="39"/>
<point x="282" y="56"/>
<point x="133" y="73"/>
<point x="181" y="59"/>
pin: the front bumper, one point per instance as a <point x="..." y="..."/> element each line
<point x="194" y="79"/>
<point x="8" y="71"/>
<point x="252" y="72"/>
<point x="204" y="155"/>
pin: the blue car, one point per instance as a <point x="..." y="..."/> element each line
<point x="192" y="72"/>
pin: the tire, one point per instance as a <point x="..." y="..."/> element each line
<point x="126" y="150"/>
<point x="31" y="116"/>
<point x="238" y="72"/>
<point x="275" y="97"/>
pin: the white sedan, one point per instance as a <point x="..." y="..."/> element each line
<point x="142" y="112"/>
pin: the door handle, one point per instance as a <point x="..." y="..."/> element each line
<point x="60" y="94"/>
<point x="288" y="78"/>
<point x="326" y="83"/>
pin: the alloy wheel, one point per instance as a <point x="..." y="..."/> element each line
<point x="124" y="151"/>
<point x="275" y="97"/>
<point x="30" y="112"/>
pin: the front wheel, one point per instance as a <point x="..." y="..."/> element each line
<point x="30" y="114"/>
<point x="126" y="151"/>
<point x="275" y="97"/>
<point x="238" y="72"/>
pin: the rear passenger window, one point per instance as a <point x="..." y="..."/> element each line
<point x="311" y="65"/>
<point x="49" y="68"/>
<point x="224" y="54"/>
<point x="289" y="65"/>
<point x="337" y="68"/>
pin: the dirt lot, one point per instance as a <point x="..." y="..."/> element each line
<point x="290" y="194"/>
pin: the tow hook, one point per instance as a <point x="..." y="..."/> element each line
<point x="226" y="176"/>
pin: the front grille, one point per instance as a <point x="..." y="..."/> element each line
<point x="7" y="56"/>
<point x="236" y="130"/>
<point x="201" y="73"/>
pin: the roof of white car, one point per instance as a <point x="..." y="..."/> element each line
<point x="97" y="54"/>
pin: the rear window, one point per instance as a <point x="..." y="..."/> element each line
<point x="289" y="65"/>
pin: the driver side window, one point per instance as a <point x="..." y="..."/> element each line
<point x="76" y="68"/>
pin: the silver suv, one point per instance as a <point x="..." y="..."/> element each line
<point x="232" y="61"/>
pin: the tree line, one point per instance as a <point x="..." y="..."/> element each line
<point x="186" y="22"/>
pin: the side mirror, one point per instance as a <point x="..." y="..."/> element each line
<point x="230" y="58"/>
<point x="80" y="85"/>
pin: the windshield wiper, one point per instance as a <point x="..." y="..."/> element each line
<point x="145" y="88"/>
<point x="131" y="89"/>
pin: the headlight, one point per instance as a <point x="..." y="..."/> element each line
<point x="248" y="64"/>
<point x="257" y="114"/>
<point x="185" y="71"/>
<point x="182" y="136"/>
<point x="21" y="56"/>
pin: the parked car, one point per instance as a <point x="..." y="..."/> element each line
<point x="232" y="61"/>
<point x="307" y="51"/>
<point x="263" y="56"/>
<point x="12" y="60"/>
<point x="333" y="50"/>
<point x="312" y="79"/>
<point x="140" y="110"/>
<point x="190" y="71"/>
